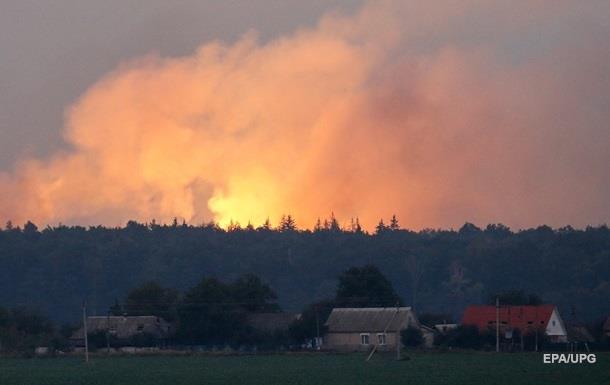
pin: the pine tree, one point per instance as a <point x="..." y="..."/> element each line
<point x="233" y="226"/>
<point x="333" y="223"/>
<point x="266" y="225"/>
<point x="394" y="223"/>
<point x="318" y="226"/>
<point x="287" y="223"/>
<point x="381" y="227"/>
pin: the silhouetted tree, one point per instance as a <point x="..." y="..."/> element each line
<point x="394" y="223"/>
<point x="365" y="287"/>
<point x="411" y="336"/>
<point x="355" y="226"/>
<point x="266" y="226"/>
<point x="214" y="312"/>
<point x="318" y="226"/>
<point x="333" y="224"/>
<point x="287" y="223"/>
<point x="311" y="323"/>
<point x="151" y="298"/>
<point x="469" y="229"/>
<point x="253" y="295"/>
<point x="381" y="227"/>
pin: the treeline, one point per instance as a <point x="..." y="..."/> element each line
<point x="56" y="268"/>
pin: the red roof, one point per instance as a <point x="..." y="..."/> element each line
<point x="514" y="317"/>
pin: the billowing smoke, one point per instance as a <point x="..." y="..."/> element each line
<point x="458" y="111"/>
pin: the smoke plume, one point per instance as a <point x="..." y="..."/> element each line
<point x="458" y="111"/>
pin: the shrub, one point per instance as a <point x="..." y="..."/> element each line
<point x="411" y="336"/>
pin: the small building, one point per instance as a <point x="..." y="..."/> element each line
<point x="359" y="329"/>
<point x="124" y="328"/>
<point x="526" y="319"/>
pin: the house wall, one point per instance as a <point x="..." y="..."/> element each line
<point x="351" y="342"/>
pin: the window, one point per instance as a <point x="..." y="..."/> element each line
<point x="364" y="339"/>
<point x="380" y="339"/>
<point x="553" y="322"/>
<point x="140" y="327"/>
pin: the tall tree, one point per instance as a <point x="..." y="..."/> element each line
<point x="151" y="298"/>
<point x="365" y="287"/>
<point x="249" y="292"/>
<point x="287" y="223"/>
<point x="394" y="223"/>
<point x="381" y="227"/>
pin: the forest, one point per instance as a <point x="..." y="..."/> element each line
<point x="53" y="270"/>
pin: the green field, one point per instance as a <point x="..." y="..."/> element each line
<point x="420" y="368"/>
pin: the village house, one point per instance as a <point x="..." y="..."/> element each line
<point x="526" y="319"/>
<point x="359" y="329"/>
<point x="124" y="328"/>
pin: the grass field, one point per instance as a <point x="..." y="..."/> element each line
<point x="422" y="368"/>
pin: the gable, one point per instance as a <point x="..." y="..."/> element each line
<point x="555" y="326"/>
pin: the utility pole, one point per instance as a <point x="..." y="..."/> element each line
<point x="497" y="324"/>
<point x="108" y="332"/>
<point x="85" y="331"/>
<point x="317" y="329"/>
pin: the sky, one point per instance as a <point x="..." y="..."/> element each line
<point x="441" y="113"/>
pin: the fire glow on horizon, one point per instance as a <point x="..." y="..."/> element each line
<point x="390" y="110"/>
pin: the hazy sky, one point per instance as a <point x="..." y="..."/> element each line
<point x="440" y="112"/>
<point x="51" y="51"/>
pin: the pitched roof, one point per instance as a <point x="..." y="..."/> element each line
<point x="371" y="319"/>
<point x="516" y="317"/>
<point x="272" y="322"/>
<point x="125" y="327"/>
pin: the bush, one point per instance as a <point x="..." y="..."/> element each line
<point x="411" y="337"/>
<point x="465" y="337"/>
